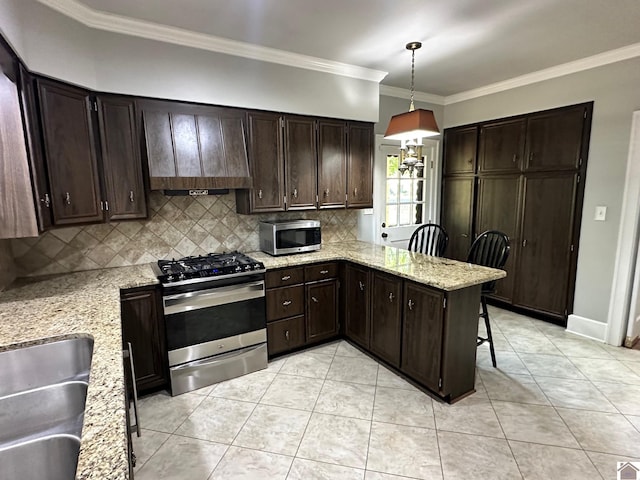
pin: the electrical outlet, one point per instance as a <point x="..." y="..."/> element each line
<point x="601" y="214"/>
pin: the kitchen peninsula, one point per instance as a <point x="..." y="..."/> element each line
<point x="89" y="303"/>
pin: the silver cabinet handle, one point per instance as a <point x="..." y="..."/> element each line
<point x="314" y="299"/>
<point x="524" y="242"/>
<point x="295" y="193"/>
<point x="391" y="296"/>
<point x="411" y="304"/>
<point x="131" y="196"/>
<point x="361" y="286"/>
<point x="135" y="389"/>
<point x="326" y="192"/>
<point x="355" y="192"/>
<point x="67" y="198"/>
<point x="286" y="335"/>
<point x="515" y="157"/>
<point x="260" y="194"/>
<point x="46" y="200"/>
<point x="464" y="235"/>
<point x="286" y="303"/>
<point x="285" y="278"/>
<point x="324" y="272"/>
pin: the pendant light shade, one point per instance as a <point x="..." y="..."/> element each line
<point x="412" y="125"/>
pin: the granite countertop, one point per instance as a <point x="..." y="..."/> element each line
<point x="73" y="305"/>
<point x="442" y="273"/>
<point x="41" y="310"/>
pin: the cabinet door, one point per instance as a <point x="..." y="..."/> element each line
<point x="422" y="334"/>
<point x="266" y="162"/>
<point x="301" y="162"/>
<point x="70" y="150"/>
<point x="502" y="146"/>
<point x="360" y="166"/>
<point x="460" y="150"/>
<point x="322" y="310"/>
<point x="554" y="139"/>
<point x="121" y="159"/>
<point x="285" y="335"/>
<point x="332" y="163"/>
<point x="284" y="302"/>
<point x="357" y="304"/>
<point x="499" y="206"/>
<point x="34" y="149"/>
<point x="143" y="327"/>
<point x="457" y="214"/>
<point x="386" y="311"/>
<point x="545" y="253"/>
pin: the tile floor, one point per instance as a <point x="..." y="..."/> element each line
<point x="558" y="407"/>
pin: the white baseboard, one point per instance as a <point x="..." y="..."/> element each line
<point x="585" y="327"/>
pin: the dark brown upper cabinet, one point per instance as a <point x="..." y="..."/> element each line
<point x="332" y="163"/>
<point x="71" y="153"/>
<point x="195" y="146"/>
<point x="460" y="150"/>
<point x="266" y="160"/>
<point x="122" y="167"/>
<point x="502" y="146"/>
<point x="360" y="166"/>
<point x="555" y="138"/>
<point x="457" y="214"/>
<point x="301" y="162"/>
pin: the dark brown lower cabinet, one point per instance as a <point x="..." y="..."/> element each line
<point x="386" y="317"/>
<point x="357" y="304"/>
<point x="322" y="310"/>
<point x="143" y="327"/>
<point x="422" y="336"/>
<point x="284" y="335"/>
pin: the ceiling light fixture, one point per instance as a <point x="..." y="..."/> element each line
<point x="411" y="127"/>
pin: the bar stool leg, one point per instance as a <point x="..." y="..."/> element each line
<point x="485" y="315"/>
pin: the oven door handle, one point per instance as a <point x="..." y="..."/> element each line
<point x="184" y="302"/>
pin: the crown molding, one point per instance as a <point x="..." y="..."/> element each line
<point x="388" y="91"/>
<point x="153" y="31"/>
<point x="587" y="63"/>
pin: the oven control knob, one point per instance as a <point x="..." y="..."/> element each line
<point x="247" y="267"/>
<point x="238" y="268"/>
<point x="181" y="276"/>
<point x="170" y="278"/>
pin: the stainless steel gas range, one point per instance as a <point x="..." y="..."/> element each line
<point x="214" y="310"/>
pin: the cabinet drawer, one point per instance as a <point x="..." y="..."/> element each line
<point x="286" y="276"/>
<point x="321" y="271"/>
<point x="285" y="302"/>
<point x="285" y="334"/>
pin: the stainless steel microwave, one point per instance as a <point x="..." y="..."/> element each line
<point x="296" y="236"/>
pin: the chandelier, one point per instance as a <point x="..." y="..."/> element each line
<point x="411" y="127"/>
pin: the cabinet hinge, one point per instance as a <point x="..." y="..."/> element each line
<point x="285" y="199"/>
<point x="571" y="248"/>
<point x="431" y="163"/>
<point x="444" y="303"/>
<point x="578" y="178"/>
<point x="106" y="205"/>
<point x="585" y="113"/>
<point x="580" y="162"/>
<point x="94" y="105"/>
<point x="440" y="383"/>
<point x="346" y="197"/>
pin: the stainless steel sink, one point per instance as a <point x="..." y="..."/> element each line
<point x="54" y="458"/>
<point x="39" y="365"/>
<point x="57" y="408"/>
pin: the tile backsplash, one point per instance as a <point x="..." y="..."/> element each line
<point x="177" y="227"/>
<point x="7" y="265"/>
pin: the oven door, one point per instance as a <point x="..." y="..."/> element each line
<point x="208" y="322"/>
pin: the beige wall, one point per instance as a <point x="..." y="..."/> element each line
<point x="614" y="90"/>
<point x="177" y="227"/>
<point x="7" y="266"/>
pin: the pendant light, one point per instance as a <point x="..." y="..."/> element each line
<point x="411" y="127"/>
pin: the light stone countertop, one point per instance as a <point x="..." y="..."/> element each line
<point x="74" y="305"/>
<point x="41" y="310"/>
<point x="441" y="273"/>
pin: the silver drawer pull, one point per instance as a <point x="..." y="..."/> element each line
<point x="260" y="193"/>
<point x="324" y="272"/>
<point x="361" y="285"/>
<point x="355" y="192"/>
<point x="131" y="196"/>
<point x="286" y="335"/>
<point x="286" y="303"/>
<point x="391" y="296"/>
<point x="295" y="193"/>
<point x="411" y="304"/>
<point x="314" y="299"/>
<point x="326" y="192"/>
<point x="46" y="200"/>
<point x="285" y="278"/>
<point x="67" y="198"/>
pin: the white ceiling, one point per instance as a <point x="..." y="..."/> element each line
<point x="467" y="44"/>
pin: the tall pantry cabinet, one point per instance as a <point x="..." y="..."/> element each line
<point x="523" y="176"/>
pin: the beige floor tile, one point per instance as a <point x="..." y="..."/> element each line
<point x="370" y="475"/>
<point x="544" y="462"/>
<point x="550" y="366"/>
<point x="248" y="388"/>
<point x="633" y="366"/>
<point x="532" y="343"/>
<point x="337" y="440"/>
<point x="607" y="464"/>
<point x="581" y="394"/>
<point x="403" y="407"/>
<point x="472" y="456"/>
<point x="307" y="364"/>
<point x="386" y="378"/>
<point x="309" y="470"/>
<point x="244" y="464"/>
<point x="635" y="420"/>
<point x="473" y="415"/>
<point x="146" y="445"/>
<point x="274" y="366"/>
<point x="293" y="392"/>
<point x="603" y="370"/>
<point x="353" y="369"/>
<point x="603" y="432"/>
<point x="346" y="399"/>
<point x="406" y="451"/>
<point x="345" y="349"/>
<point x="273" y="429"/>
<point x="204" y="390"/>
<point x="163" y="413"/>
<point x="534" y="423"/>
<point x="207" y="423"/>
<point x="626" y="398"/>
<point x="180" y="458"/>
<point x="326" y="348"/>
<point x="510" y="387"/>
<point x="624" y="354"/>
<point x="506" y="362"/>
<point x="573" y="347"/>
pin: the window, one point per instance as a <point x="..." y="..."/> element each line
<point x="405" y="199"/>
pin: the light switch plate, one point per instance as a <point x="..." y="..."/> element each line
<point x="601" y="214"/>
